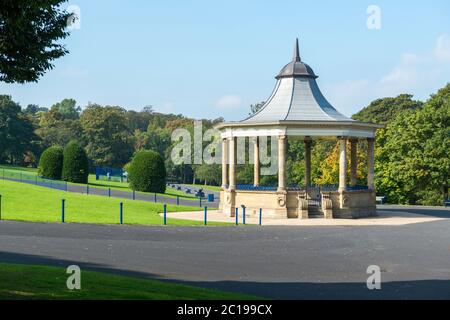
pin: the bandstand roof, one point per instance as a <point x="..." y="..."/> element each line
<point x="298" y="107"/>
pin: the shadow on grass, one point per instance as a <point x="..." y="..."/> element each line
<point x="414" y="289"/>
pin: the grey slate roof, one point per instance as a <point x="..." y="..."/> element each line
<point x="297" y="97"/>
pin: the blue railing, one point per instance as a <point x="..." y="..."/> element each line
<point x="249" y="187"/>
<point x="357" y="187"/>
<point x="324" y="187"/>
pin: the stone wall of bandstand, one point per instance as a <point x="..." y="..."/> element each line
<point x="295" y="204"/>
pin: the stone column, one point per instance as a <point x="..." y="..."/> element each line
<point x="232" y="162"/>
<point x="308" y="143"/>
<point x="281" y="163"/>
<point x="354" y="161"/>
<point x="257" y="168"/>
<point x="371" y="163"/>
<point x="224" y="163"/>
<point x="342" y="163"/>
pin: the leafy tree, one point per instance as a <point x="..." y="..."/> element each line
<point x="51" y="163"/>
<point x="75" y="163"/>
<point x="67" y="109"/>
<point x="210" y="174"/>
<point x="386" y="109"/>
<point x="413" y="165"/>
<point x="29" y="31"/>
<point x="147" y="172"/>
<point x="105" y="131"/>
<point x="16" y="132"/>
<point x="60" y="125"/>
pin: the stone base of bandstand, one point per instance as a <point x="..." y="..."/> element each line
<point x="289" y="204"/>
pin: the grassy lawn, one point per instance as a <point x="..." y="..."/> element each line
<point x="42" y="282"/>
<point x="212" y="188"/>
<point x="24" y="202"/>
<point x="114" y="185"/>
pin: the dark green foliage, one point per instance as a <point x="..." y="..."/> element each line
<point x="51" y="163"/>
<point x="75" y="164"/>
<point x="412" y="156"/>
<point x="29" y="30"/>
<point x="386" y="109"/>
<point x="147" y="172"/>
<point x="16" y="132"/>
<point x="105" y="131"/>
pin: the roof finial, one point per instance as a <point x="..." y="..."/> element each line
<point x="296" y="52"/>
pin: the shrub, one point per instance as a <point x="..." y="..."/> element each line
<point x="75" y="164"/>
<point x="147" y="172"/>
<point x="51" y="163"/>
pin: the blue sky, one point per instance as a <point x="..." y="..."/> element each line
<point x="208" y="59"/>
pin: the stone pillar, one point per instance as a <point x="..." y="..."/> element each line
<point x="353" y="161"/>
<point x="371" y="163"/>
<point x="308" y="143"/>
<point x="281" y="163"/>
<point x="257" y="168"/>
<point x="342" y="163"/>
<point x="232" y="162"/>
<point x="224" y="163"/>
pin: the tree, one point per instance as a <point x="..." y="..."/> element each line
<point x="147" y="172"/>
<point x="67" y="109"/>
<point x="386" y="109"/>
<point x="60" y="125"/>
<point x="107" y="137"/>
<point x="413" y="166"/>
<point x="75" y="163"/>
<point x="210" y="174"/>
<point x="29" y="31"/>
<point x="51" y="163"/>
<point x="16" y="132"/>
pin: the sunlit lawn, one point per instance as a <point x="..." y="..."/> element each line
<point x="25" y="202"/>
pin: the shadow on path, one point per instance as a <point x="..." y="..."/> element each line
<point x="414" y="289"/>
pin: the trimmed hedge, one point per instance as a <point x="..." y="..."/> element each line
<point x="147" y="172"/>
<point x="75" y="164"/>
<point x="51" y="163"/>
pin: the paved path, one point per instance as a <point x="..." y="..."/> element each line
<point x="272" y="261"/>
<point x="385" y="218"/>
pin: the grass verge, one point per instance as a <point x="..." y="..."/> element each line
<point x="44" y="282"/>
<point x="24" y="202"/>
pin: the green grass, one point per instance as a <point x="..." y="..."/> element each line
<point x="27" y="282"/>
<point x="212" y="188"/>
<point x="114" y="185"/>
<point x="24" y="202"/>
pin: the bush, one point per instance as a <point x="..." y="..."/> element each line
<point x="75" y="164"/>
<point x="147" y="172"/>
<point x="51" y="163"/>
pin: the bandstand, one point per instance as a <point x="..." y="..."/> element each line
<point x="298" y="110"/>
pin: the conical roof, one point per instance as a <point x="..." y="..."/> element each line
<point x="296" y="97"/>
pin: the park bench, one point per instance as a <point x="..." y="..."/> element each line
<point x="380" y="199"/>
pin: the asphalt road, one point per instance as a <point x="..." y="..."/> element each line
<point x="275" y="262"/>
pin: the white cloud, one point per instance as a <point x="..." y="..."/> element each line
<point x="418" y="74"/>
<point x="442" y="50"/>
<point x="229" y="102"/>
